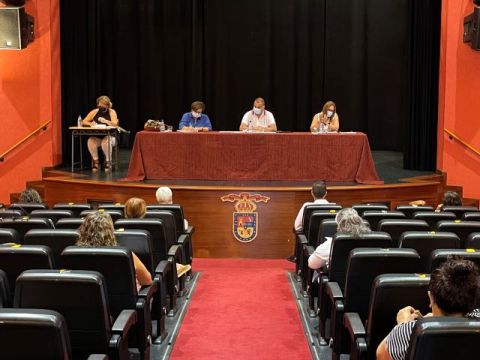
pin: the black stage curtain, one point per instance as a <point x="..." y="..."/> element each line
<point x="154" y="57"/>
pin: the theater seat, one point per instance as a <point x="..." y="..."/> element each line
<point x="53" y="215"/>
<point x="10" y="214"/>
<point x="374" y="217"/>
<point x="361" y="208"/>
<point x="444" y="338"/>
<point x="432" y="217"/>
<point x="22" y="225"/>
<point x="73" y="207"/>
<point x="81" y="298"/>
<point x="114" y="214"/>
<point x="439" y="256"/>
<point x="473" y="241"/>
<point x="462" y="228"/>
<point x="395" y="227"/>
<point x="69" y="223"/>
<point x="471" y="216"/>
<point x="390" y="293"/>
<point x="460" y="210"/>
<point x="9" y="236"/>
<point x="27" y="208"/>
<point x="112" y="206"/>
<point x="409" y="210"/>
<point x="5" y="293"/>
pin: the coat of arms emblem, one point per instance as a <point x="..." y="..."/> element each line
<point x="245" y="219"/>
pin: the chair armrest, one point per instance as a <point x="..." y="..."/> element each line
<point x="98" y="357"/>
<point x="335" y="299"/>
<point x="333" y="290"/>
<point x="358" y="343"/>
<point x="124" y="322"/>
<point x="302" y="239"/>
<point x="148" y="292"/>
<point x="190" y="230"/>
<point x="310" y="250"/>
<point x="182" y="238"/>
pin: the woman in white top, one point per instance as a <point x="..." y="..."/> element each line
<point x="327" y="119"/>
<point x="258" y="119"/>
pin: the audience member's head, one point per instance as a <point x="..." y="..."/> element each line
<point x="349" y="222"/>
<point x="451" y="198"/>
<point x="453" y="287"/>
<point x="319" y="189"/>
<point x="30" y="196"/>
<point x="164" y="195"/>
<point x="97" y="230"/>
<point x="135" y="208"/>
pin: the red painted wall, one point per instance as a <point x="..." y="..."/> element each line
<point x="459" y="102"/>
<point x="29" y="97"/>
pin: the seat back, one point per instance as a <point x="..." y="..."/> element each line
<point x="168" y="220"/>
<point x="157" y="233"/>
<point x="116" y="266"/>
<point x="138" y="242"/>
<point x="55" y="239"/>
<point x="471" y="216"/>
<point x="25" y="333"/>
<point x="439" y="256"/>
<point x="432" y="217"/>
<point x="110" y="206"/>
<point x="15" y="259"/>
<point x="27" y="208"/>
<point x="316" y="218"/>
<point x="460" y="210"/>
<point x="53" y="215"/>
<point x="444" y="338"/>
<point x="365" y="264"/>
<point x="5" y="293"/>
<point x="325" y="209"/>
<point x="426" y="241"/>
<point x="69" y="223"/>
<point x="80" y="296"/>
<point x="24" y="224"/>
<point x="462" y="228"/>
<point x="361" y="208"/>
<point x="10" y="214"/>
<point x="391" y="292"/>
<point x="342" y="244"/>
<point x="9" y="236"/>
<point x="177" y="211"/>
<point x="114" y="214"/>
<point x="73" y="207"/>
<point x="409" y="210"/>
<point x="473" y="241"/>
<point x="328" y="228"/>
<point x="395" y="227"/>
<point x="374" y="217"/>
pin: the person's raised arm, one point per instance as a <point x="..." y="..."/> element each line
<point x="315" y="123"/>
<point x="184" y="122"/>
<point x="334" y="123"/>
<point x="244" y="123"/>
<point x="89" y="118"/>
<point x="272" y="126"/>
<point x="143" y="275"/>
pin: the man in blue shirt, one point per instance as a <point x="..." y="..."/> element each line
<point x="195" y="120"/>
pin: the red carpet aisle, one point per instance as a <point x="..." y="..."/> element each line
<point x="242" y="309"/>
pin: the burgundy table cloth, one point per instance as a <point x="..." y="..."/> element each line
<point x="342" y="157"/>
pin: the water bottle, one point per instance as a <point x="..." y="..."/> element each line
<point x="79" y="121"/>
<point x="162" y="125"/>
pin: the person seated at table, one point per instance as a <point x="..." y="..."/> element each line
<point x="327" y="119"/>
<point x="103" y="114"/>
<point x="452" y="291"/>
<point x="258" y="119"/>
<point x="195" y="120"/>
<point x="164" y="195"/>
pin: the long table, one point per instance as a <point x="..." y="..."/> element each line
<point x="339" y="157"/>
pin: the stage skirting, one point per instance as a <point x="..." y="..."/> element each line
<point x="342" y="157"/>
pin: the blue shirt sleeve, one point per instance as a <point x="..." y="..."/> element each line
<point x="207" y="122"/>
<point x="185" y="121"/>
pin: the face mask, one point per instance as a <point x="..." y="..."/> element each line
<point x="196" y="115"/>
<point x="257" y="111"/>
<point x="329" y="113"/>
<point x="102" y="109"/>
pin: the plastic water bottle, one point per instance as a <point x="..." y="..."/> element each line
<point x="162" y="125"/>
<point x="79" y="121"/>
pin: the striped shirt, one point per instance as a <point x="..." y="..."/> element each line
<point x="399" y="338"/>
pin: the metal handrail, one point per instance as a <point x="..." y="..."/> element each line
<point x="26" y="138"/>
<point x="463" y="142"/>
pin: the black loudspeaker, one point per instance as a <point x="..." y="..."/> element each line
<point x="16" y="28"/>
<point x="471" y="32"/>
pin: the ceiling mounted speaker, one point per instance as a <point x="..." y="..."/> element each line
<point x="13" y="2"/>
<point x="16" y="28"/>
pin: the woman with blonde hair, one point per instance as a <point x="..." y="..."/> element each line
<point x="97" y="231"/>
<point x="103" y="114"/>
<point x="327" y="120"/>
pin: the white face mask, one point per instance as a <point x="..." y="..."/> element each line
<point x="257" y="111"/>
<point x="196" y="115"/>
<point x="329" y="113"/>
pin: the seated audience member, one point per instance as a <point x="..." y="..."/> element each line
<point x="348" y="222"/>
<point x="195" y="120"/>
<point x="319" y="192"/>
<point x="258" y="119"/>
<point x="135" y="208"/>
<point x="30" y="196"/>
<point x="97" y="231"/>
<point x="450" y="198"/>
<point x="103" y="114"/>
<point x="164" y="196"/>
<point x="452" y="292"/>
<point x="327" y="120"/>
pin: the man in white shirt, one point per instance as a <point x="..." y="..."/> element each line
<point x="164" y="195"/>
<point x="258" y="119"/>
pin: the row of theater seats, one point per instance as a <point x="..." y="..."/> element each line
<point x="370" y="277"/>
<point x="100" y="283"/>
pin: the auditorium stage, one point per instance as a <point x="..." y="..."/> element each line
<point x="247" y="219"/>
